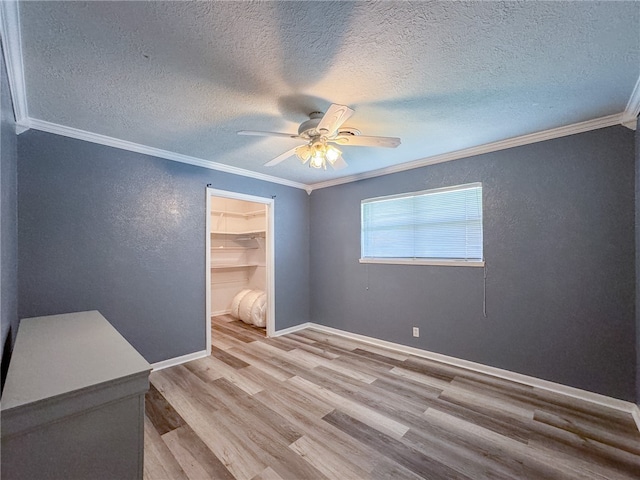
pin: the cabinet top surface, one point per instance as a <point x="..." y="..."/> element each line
<point x="59" y="354"/>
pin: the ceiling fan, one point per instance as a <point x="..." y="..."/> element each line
<point x="319" y="133"/>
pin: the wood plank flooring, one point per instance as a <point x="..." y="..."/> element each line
<point x="311" y="405"/>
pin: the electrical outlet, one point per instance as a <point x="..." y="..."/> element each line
<point x="416" y="332"/>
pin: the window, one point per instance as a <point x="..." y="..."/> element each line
<point x="432" y="227"/>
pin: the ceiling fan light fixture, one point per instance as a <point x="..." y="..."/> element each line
<point x="318" y="159"/>
<point x="303" y="152"/>
<point x="332" y="154"/>
<point x="318" y="153"/>
<point x="320" y="130"/>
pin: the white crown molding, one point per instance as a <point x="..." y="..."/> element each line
<point x="630" y="124"/>
<point x="12" y="44"/>
<point x="575" y="128"/>
<point x="581" y="127"/>
<point x="156" y="152"/>
<point x="631" y="112"/>
<point x="596" y="398"/>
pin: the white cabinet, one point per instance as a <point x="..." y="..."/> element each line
<point x="238" y="252"/>
<point x="73" y="401"/>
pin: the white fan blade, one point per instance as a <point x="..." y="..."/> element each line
<point x="280" y="158"/>
<point x="365" y="141"/>
<point x="339" y="164"/>
<point x="268" y="134"/>
<point x="335" y="116"/>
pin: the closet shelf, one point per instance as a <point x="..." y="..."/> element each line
<point x="227" y="267"/>
<point x="253" y="213"/>
<point x="240" y="283"/>
<point x="248" y="232"/>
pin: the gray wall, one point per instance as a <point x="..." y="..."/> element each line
<point x="560" y="253"/>
<point x="638" y="262"/>
<point x="124" y="233"/>
<point x="8" y="223"/>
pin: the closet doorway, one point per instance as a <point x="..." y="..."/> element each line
<point x="240" y="260"/>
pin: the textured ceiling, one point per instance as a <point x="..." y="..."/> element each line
<point x="443" y="76"/>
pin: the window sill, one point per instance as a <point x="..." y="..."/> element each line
<point x="424" y="261"/>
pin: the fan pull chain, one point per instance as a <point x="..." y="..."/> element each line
<point x="484" y="297"/>
<point x="367" y="277"/>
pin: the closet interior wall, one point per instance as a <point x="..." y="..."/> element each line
<point x="238" y="255"/>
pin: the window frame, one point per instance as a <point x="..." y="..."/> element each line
<point x="421" y="260"/>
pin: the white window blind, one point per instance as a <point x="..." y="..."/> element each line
<point x="444" y="225"/>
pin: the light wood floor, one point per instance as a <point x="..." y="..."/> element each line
<point x="313" y="406"/>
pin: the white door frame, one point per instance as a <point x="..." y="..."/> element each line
<point x="270" y="256"/>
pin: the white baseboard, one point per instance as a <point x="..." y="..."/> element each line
<point x="635" y="413"/>
<point x="172" y="362"/>
<point x="596" y="398"/>
<point x="220" y="312"/>
<point x="295" y="328"/>
<point x="573" y="392"/>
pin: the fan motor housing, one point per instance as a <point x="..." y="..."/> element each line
<point x="309" y="127"/>
<point x="348" y="131"/>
